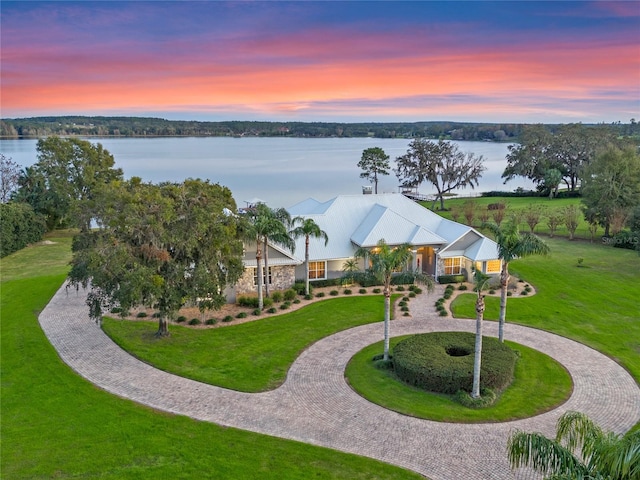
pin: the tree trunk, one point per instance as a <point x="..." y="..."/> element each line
<point x="306" y="265"/>
<point x="477" y="359"/>
<point x="259" y="274"/>
<point x="504" y="283"/>
<point x="387" y="318"/>
<point x="163" y="327"/>
<point x="375" y="182"/>
<point x="441" y="201"/>
<point x="266" y="267"/>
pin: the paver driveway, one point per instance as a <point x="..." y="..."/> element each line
<point x="315" y="405"/>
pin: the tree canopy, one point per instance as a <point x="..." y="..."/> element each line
<point x="442" y="164"/>
<point x="159" y="246"/>
<point x="62" y="185"/>
<point x="374" y="162"/>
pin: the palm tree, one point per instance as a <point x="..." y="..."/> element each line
<point x="384" y="261"/>
<point x="479" y="280"/>
<point x="581" y="450"/>
<point x="511" y="245"/>
<point x="307" y="228"/>
<point x="262" y="227"/>
<point x="276" y="235"/>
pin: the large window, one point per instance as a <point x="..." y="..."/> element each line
<point x="452" y="266"/>
<point x="317" y="270"/>
<point x="264" y="276"/>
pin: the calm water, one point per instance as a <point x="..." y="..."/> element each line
<point x="280" y="171"/>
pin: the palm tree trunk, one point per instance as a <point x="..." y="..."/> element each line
<point x="259" y="273"/>
<point x="387" y="318"/>
<point x="266" y="267"/>
<point x="504" y="283"/>
<point x="477" y="359"/>
<point x="306" y="265"/>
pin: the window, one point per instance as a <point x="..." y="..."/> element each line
<point x="452" y="265"/>
<point x="317" y="270"/>
<point x="493" y="266"/>
<point x="264" y="277"/>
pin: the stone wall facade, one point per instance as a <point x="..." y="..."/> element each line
<point x="282" y="278"/>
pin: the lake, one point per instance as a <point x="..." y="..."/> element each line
<point x="280" y="171"/>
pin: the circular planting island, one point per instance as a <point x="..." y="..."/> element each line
<point x="443" y="362"/>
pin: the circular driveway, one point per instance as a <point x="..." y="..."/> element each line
<point x="315" y="405"/>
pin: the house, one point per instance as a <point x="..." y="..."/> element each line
<point x="439" y="246"/>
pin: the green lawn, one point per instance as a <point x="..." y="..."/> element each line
<point x="596" y="304"/>
<point x="57" y="425"/>
<point x="536" y="375"/>
<point x="250" y="357"/>
<point x="521" y="203"/>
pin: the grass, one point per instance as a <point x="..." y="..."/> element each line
<point x="57" y="425"/>
<point x="536" y="376"/>
<point x="249" y="357"/>
<point x="595" y="304"/>
<point x="521" y="203"/>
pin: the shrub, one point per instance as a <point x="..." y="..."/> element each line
<point x="451" y="279"/>
<point x="347" y="291"/>
<point x="329" y="282"/>
<point x="256" y="311"/>
<point x="285" y="305"/>
<point x="276" y="297"/>
<point x="443" y="312"/>
<point x="141" y="314"/>
<point x="272" y="310"/>
<point x="413" y="294"/>
<point x="462" y="287"/>
<point x="447" y="295"/>
<point x="181" y="319"/>
<point x="227" y="319"/>
<point x="155" y="315"/>
<point x="399" y="288"/>
<point x="242" y="315"/>
<point x="404" y="308"/>
<point x="412" y="288"/>
<point x="20" y="226"/>
<point x="405" y="298"/>
<point x="300" y="288"/>
<point x="406" y="314"/>
<point x="527" y="289"/>
<point x="443" y="362"/>
<point x="194" y="321"/>
<point x="211" y="321"/>
<point x="362" y="291"/>
<point x="509" y="294"/>
<point x="249" y="302"/>
<point x="290" y="295"/>
<point x="308" y="297"/>
<point x="449" y="288"/>
<point x="402" y="303"/>
<point x="404" y="278"/>
<point x="116" y="310"/>
<point x="297" y="300"/>
<point x="377" y="290"/>
<point x="334" y="293"/>
<point x="267" y="302"/>
<point x="319" y="294"/>
<point x="492" y="291"/>
<point x="524" y="292"/>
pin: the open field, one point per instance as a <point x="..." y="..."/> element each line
<point x="514" y="204"/>
<point x="56" y="425"/>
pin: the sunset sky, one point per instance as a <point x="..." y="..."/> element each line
<point x="525" y="62"/>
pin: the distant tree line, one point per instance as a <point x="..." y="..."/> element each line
<point x="145" y="127"/>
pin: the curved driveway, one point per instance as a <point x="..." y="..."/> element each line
<point x="315" y="405"/>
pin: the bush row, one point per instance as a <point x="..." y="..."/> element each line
<point x="443" y="362"/>
<point x="451" y="279"/>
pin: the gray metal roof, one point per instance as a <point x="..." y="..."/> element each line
<point x="362" y="220"/>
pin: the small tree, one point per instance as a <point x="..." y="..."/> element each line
<point x="533" y="215"/>
<point x="469" y="211"/>
<point x="374" y="162"/>
<point x="499" y="212"/>
<point x="456" y="211"/>
<point x="555" y="218"/>
<point x="9" y="178"/>
<point x="571" y="214"/>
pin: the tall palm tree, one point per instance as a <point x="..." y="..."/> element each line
<point x="479" y="280"/>
<point x="581" y="450"/>
<point x="276" y="235"/>
<point x="307" y="228"/>
<point x="512" y="244"/>
<point x="384" y="261"/>
<point x="261" y="227"/>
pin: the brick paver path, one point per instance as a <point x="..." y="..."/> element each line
<point x="315" y="405"/>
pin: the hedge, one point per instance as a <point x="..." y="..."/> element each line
<point x="19" y="226"/>
<point x="451" y="278"/>
<point x="443" y="362"/>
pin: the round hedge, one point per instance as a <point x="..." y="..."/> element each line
<point x="443" y="362"/>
